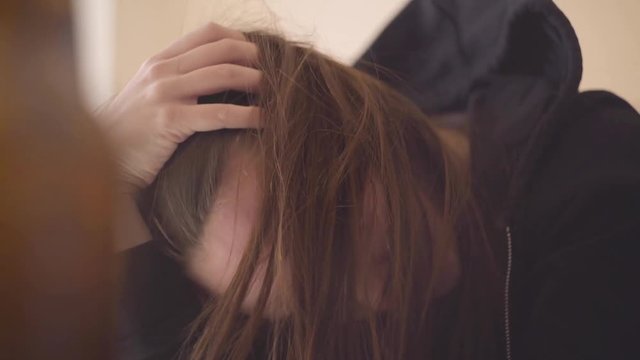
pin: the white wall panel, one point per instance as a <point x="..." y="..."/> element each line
<point x="94" y="23"/>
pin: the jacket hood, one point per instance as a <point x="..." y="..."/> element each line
<point x="437" y="50"/>
<point x="509" y="65"/>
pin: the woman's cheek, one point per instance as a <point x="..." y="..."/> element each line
<point x="214" y="261"/>
<point x="228" y="230"/>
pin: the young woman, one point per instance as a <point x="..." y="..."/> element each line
<point x="350" y="225"/>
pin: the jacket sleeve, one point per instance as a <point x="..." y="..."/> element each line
<point x="157" y="304"/>
<point x="583" y="284"/>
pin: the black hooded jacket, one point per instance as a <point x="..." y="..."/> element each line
<point x="557" y="172"/>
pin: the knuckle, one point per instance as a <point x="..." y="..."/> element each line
<point x="212" y="27"/>
<point x="229" y="45"/>
<point x="165" y="116"/>
<point x="166" y="123"/>
<point x="153" y="59"/>
<point x="156" y="70"/>
<point x="255" y="51"/>
<point x="148" y="63"/>
<point x="222" y="31"/>
<point x="178" y="66"/>
<point x="222" y="117"/>
<point x="227" y="72"/>
<point x="157" y="90"/>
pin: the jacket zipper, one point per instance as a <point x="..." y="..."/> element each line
<point x="507" y="288"/>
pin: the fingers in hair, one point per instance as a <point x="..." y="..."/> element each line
<point x="220" y="52"/>
<point x="211" y="117"/>
<point x="214" y="79"/>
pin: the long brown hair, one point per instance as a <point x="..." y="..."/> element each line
<point x="329" y="130"/>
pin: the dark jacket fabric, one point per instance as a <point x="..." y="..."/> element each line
<point x="557" y="173"/>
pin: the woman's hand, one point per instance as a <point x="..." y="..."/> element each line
<point x="158" y="108"/>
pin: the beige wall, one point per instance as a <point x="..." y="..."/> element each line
<point x="609" y="33"/>
<point x="146" y="26"/>
<point x="608" y="30"/>
<point x="143" y="27"/>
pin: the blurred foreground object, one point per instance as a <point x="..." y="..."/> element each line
<point x="55" y="195"/>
